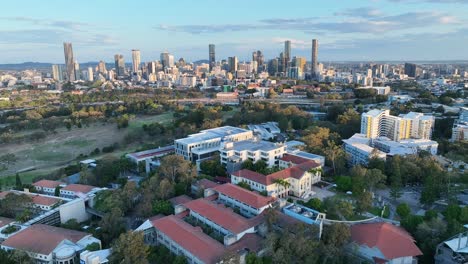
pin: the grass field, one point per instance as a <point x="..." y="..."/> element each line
<point x="61" y="148"/>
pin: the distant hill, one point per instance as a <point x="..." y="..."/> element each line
<point x="25" y="65"/>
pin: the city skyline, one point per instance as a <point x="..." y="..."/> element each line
<point x="351" y="30"/>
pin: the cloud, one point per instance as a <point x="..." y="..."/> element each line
<point x="54" y="37"/>
<point x="68" y="25"/>
<point x="432" y="1"/>
<point x="360" y="12"/>
<point x="354" y="21"/>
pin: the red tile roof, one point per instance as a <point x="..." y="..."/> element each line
<point x="296" y="172"/>
<point x="205" y="184"/>
<point x="253" y="199"/>
<point x="293" y="159"/>
<point x="47" y="184"/>
<point x="5" y="221"/>
<point x="42" y="239"/>
<point x="43" y="200"/>
<point x="251" y="175"/>
<point x="392" y="241"/>
<point x="78" y="188"/>
<point x="220" y="215"/>
<point x="190" y="238"/>
<point x="181" y="199"/>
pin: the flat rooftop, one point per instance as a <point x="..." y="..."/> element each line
<point x="213" y="133"/>
<point x="254" y="145"/>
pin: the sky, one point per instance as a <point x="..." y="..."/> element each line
<point x="358" y="30"/>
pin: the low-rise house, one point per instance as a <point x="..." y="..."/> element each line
<point x="47" y="186"/>
<point x="76" y="190"/>
<point x="383" y="243"/>
<point x="49" y="244"/>
<point x="296" y="180"/>
<point x="201" y="185"/>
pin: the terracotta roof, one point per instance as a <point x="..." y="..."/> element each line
<point x="296" y="172"/>
<point x="42" y="239"/>
<point x="253" y="199"/>
<point x="392" y="241"/>
<point x="181" y="199"/>
<point x="205" y="184"/>
<point x="44" y="200"/>
<point x="5" y="221"/>
<point x="47" y="184"/>
<point x="251" y="175"/>
<point x="253" y="242"/>
<point x="293" y="159"/>
<point x="190" y="238"/>
<point x="4" y="194"/>
<point x="78" y="188"/>
<point x="220" y="215"/>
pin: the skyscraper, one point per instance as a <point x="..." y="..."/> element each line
<point x="57" y="72"/>
<point x="410" y="69"/>
<point x="119" y="64"/>
<point x="258" y="57"/>
<point x="232" y="61"/>
<point x="273" y="67"/>
<point x="136" y="60"/>
<point x="212" y="56"/>
<point x="69" y="61"/>
<point x="314" y="68"/>
<point x="102" y="67"/>
<point x="287" y="55"/>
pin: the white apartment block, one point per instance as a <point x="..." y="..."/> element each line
<point x="380" y="90"/>
<point x="204" y="144"/>
<point x="379" y="123"/>
<point x="460" y="127"/>
<point x="255" y="150"/>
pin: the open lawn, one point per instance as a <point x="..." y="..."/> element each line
<point x="60" y="148"/>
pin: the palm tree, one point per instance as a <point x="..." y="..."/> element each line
<point x="281" y="182"/>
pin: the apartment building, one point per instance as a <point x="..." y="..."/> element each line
<point x="253" y="149"/>
<point x="296" y="180"/>
<point x="460" y="126"/>
<point x="379" y="123"/>
<point x="203" y="145"/>
<point x="50" y="245"/>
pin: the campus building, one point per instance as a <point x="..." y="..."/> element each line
<point x="50" y="245"/>
<point x="460" y="126"/>
<point x="248" y="203"/>
<point x="205" y="144"/>
<point x="47" y="186"/>
<point x="254" y="150"/>
<point x="296" y="180"/>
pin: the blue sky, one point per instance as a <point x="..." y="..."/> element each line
<point x="32" y="30"/>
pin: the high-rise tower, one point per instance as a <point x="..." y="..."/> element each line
<point x="69" y="61"/>
<point x="136" y="60"/>
<point x="212" y="56"/>
<point x="314" y="68"/>
<point x="119" y="64"/>
<point x="287" y="55"/>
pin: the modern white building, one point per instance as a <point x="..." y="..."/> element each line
<point x="204" y="144"/>
<point x="253" y="149"/>
<point x="380" y="90"/>
<point x="360" y="148"/>
<point x="50" y="245"/>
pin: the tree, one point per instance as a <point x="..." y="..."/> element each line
<point x="333" y="153"/>
<point x="403" y="210"/>
<point x="364" y="202"/>
<point x="112" y="225"/>
<point x="176" y="169"/>
<point x="57" y="191"/>
<point x="21" y="257"/>
<point x="165" y="189"/>
<point x="374" y="177"/>
<point x="162" y="207"/>
<point x="129" y="249"/>
<point x="19" y="184"/>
